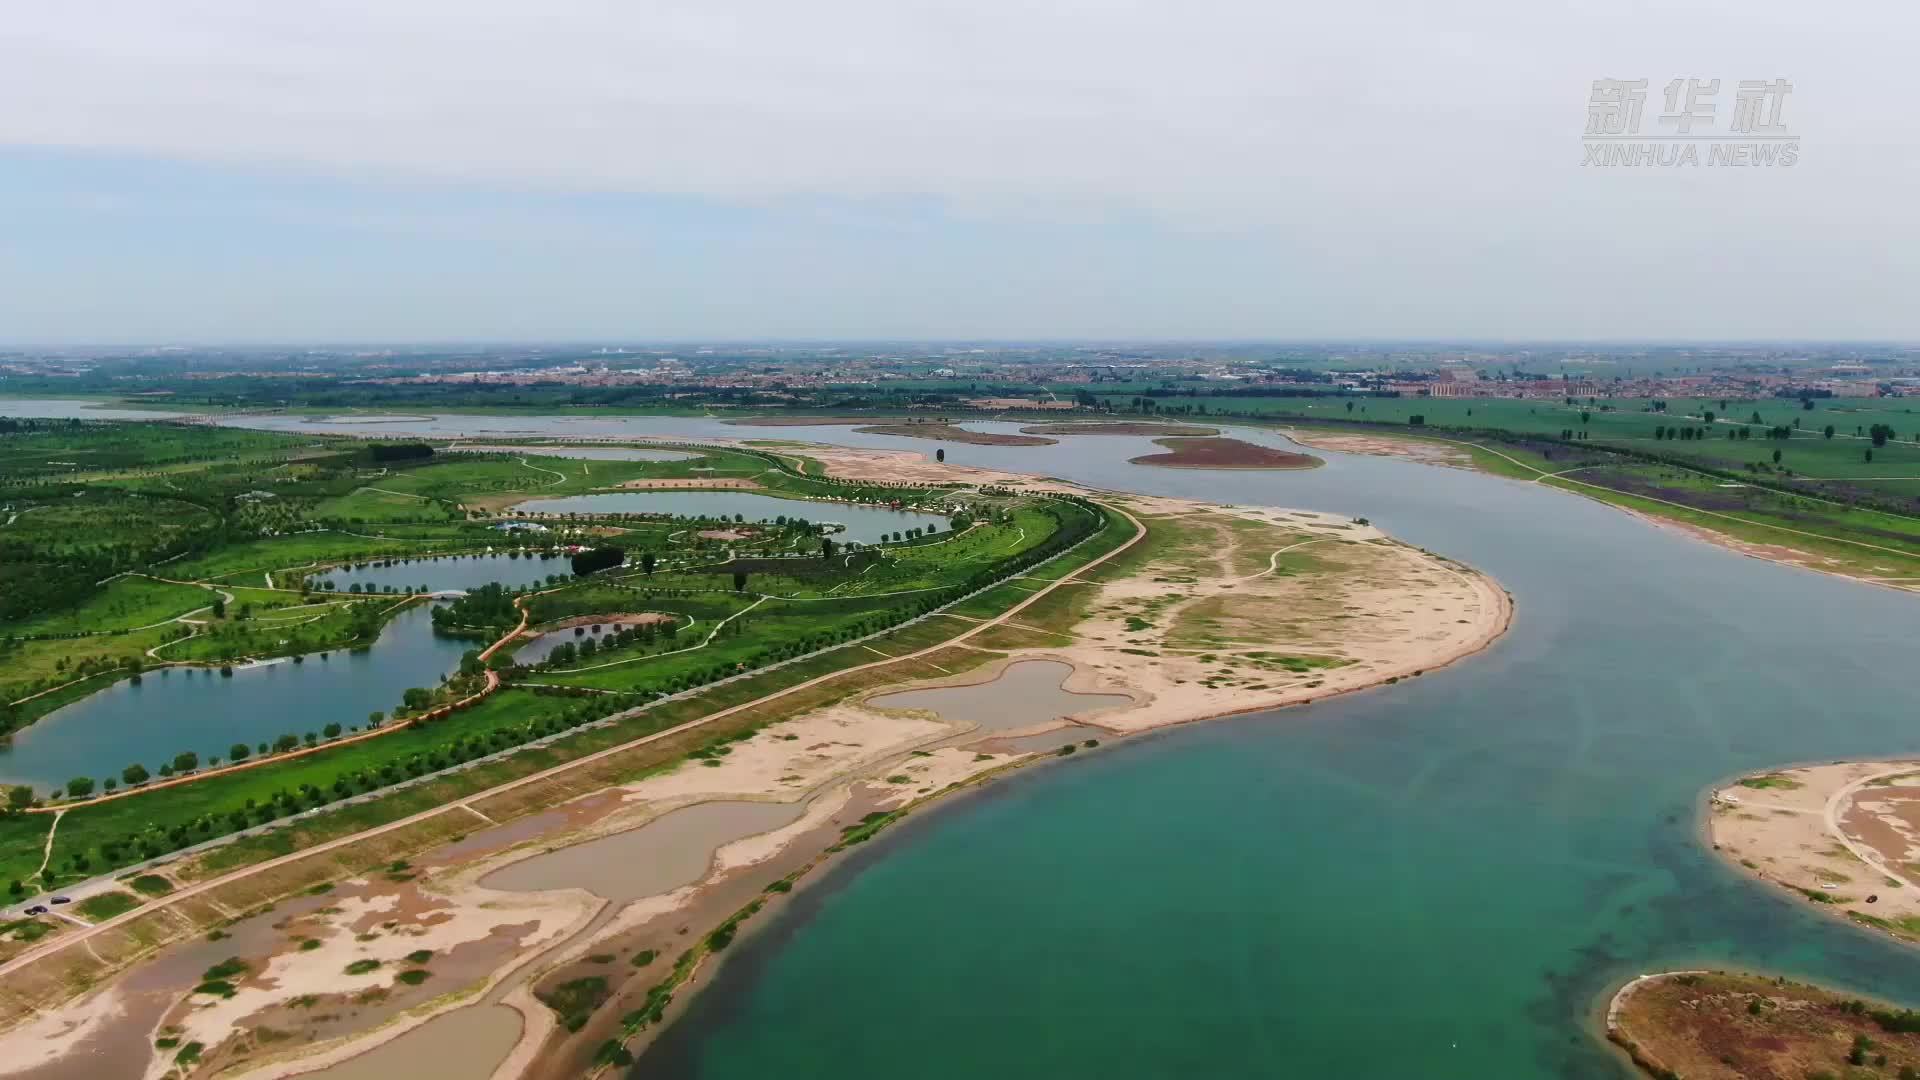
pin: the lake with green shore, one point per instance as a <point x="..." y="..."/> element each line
<point x="1441" y="878"/>
<point x="450" y="572"/>
<point x="171" y="710"/>
<point x="864" y="524"/>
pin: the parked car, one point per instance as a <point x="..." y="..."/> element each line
<point x="37" y="909"/>
<point x="63" y="899"/>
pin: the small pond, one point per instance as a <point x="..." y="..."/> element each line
<point x="1025" y="694"/>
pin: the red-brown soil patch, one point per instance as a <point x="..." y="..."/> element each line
<point x="1213" y="453"/>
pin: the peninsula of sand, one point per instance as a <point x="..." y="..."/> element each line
<point x="558" y="926"/>
<point x="1843" y="837"/>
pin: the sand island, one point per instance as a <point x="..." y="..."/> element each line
<point x="1842" y="837"/>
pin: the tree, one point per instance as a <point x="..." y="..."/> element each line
<point x="416" y="698"/>
<point x="238" y="752"/>
<point x="80" y="787"/>
<point x="646" y="562"/>
<point x="134" y="774"/>
<point x="1828" y="432"/>
<point x="19" y="797"/>
<point x="599" y="558"/>
<point x="286" y="742"/>
<point x="376" y="718"/>
<point x="1420" y="419"/>
<point x="739" y="581"/>
<point x="1776" y="457"/>
<point x="331" y="731"/>
<point x="219" y="608"/>
<point x="186" y="762"/>
<point x="826" y="547"/>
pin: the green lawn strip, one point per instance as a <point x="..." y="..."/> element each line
<point x="123" y="604"/>
<point x="1864" y="561"/>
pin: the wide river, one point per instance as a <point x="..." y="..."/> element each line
<point x="1437" y="879"/>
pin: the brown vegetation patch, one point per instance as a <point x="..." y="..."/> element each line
<point x="1215" y="453"/>
<point x="1122" y="427"/>
<point x="1718" y="1026"/>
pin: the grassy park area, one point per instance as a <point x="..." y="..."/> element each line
<point x="713" y="620"/>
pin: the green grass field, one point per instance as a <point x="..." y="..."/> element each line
<point x="727" y="629"/>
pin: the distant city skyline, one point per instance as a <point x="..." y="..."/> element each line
<point x="867" y="171"/>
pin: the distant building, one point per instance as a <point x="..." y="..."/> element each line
<point x="521" y="526"/>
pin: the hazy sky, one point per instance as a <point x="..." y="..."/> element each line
<point x="227" y="170"/>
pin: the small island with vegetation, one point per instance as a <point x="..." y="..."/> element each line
<point x="1705" y="1025"/>
<point x="1221" y="453"/>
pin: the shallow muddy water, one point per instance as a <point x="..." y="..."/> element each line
<point x="465" y="1044"/>
<point x="672" y="850"/>
<point x="1025" y="694"/>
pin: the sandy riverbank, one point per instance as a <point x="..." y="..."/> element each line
<point x="1844" y="837"/>
<point x="1242" y="609"/>
<point x="1413" y="449"/>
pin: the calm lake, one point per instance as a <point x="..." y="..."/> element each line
<point x="461" y="572"/>
<point x="865" y="524"/>
<point x="1436" y="879"/>
<point x="175" y="709"/>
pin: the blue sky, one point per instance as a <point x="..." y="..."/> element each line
<point x="421" y="170"/>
